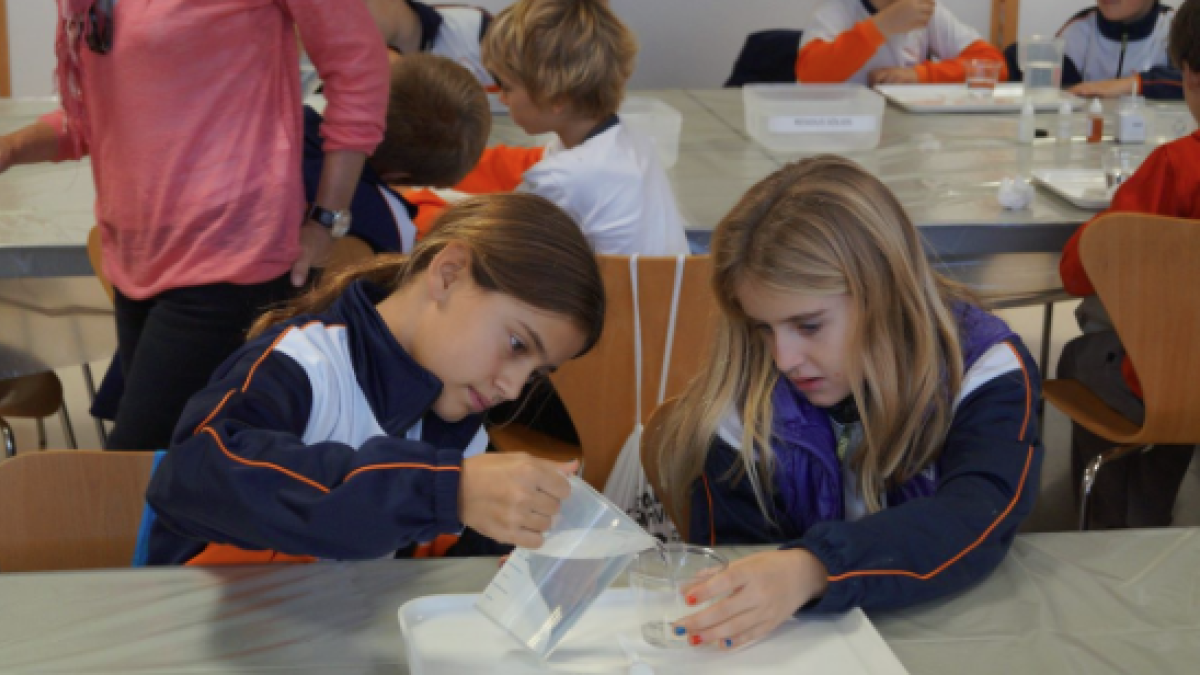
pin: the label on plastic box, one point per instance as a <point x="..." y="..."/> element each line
<point x="822" y="124"/>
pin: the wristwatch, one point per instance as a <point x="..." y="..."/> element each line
<point x="338" y="222"/>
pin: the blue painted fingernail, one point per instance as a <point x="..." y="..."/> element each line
<point x="728" y="642"/>
<point x="680" y="630"/>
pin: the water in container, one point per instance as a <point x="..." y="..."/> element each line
<point x="538" y="596"/>
<point x="1041" y="60"/>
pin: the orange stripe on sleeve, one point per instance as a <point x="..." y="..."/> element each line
<point x="401" y="465"/>
<point x="264" y="465"/>
<point x="954" y="70"/>
<point x="265" y="354"/>
<point x="831" y="62"/>
<point x="995" y="523"/>
<point x="213" y="414"/>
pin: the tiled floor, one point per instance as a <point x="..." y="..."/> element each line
<point x="1053" y="512"/>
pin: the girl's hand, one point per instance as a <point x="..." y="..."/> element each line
<point x="511" y="497"/>
<point x="760" y="592"/>
<point x="1106" y="88"/>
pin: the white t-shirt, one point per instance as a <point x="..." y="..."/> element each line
<point x="458" y="39"/>
<point x="614" y="187"/>
<point x="945" y="37"/>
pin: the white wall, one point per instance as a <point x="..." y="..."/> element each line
<point x="685" y="43"/>
<point x="31" y="46"/>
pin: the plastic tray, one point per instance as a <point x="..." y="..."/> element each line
<point x="953" y="98"/>
<point x="445" y="634"/>
<point x="1085" y="188"/>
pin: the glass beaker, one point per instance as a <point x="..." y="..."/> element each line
<point x="661" y="579"/>
<point x="1041" y="60"/>
<point x="537" y="596"/>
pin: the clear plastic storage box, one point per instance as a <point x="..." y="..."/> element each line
<point x="657" y="121"/>
<point x="813" y="117"/>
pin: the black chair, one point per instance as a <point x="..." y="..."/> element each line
<point x="767" y="56"/>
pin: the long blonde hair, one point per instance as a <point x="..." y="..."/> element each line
<point x="824" y="226"/>
<point x="521" y="245"/>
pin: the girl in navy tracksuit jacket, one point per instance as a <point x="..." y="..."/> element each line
<point x="860" y="411"/>
<point x="349" y="426"/>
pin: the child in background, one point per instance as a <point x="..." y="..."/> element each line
<point x="889" y="42"/>
<point x="861" y="411"/>
<point x="438" y="123"/>
<point x="1115" y="48"/>
<point x="349" y="427"/>
<point x="562" y="67"/>
<point x="453" y="31"/>
<point x="1139" y="490"/>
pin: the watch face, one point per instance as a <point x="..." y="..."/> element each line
<point x="341" y="223"/>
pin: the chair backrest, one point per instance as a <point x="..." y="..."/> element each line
<point x="651" y="443"/>
<point x="1146" y="272"/>
<point x="599" y="390"/>
<point x="95" y="253"/>
<point x="768" y="56"/>
<point x="33" y="396"/>
<point x="73" y="509"/>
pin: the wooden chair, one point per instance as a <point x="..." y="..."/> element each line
<point x="78" y="509"/>
<point x="598" y="390"/>
<point x="651" y="443"/>
<point x="36" y="396"/>
<point x="1147" y="274"/>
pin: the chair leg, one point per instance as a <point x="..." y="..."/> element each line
<point x="10" y="440"/>
<point x="1089" y="478"/>
<point x="1044" y="360"/>
<point x="68" y="430"/>
<point x="90" y="383"/>
<point x="41" y="429"/>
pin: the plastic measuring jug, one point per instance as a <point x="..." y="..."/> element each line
<point x="537" y="596"/>
<point x="1041" y="59"/>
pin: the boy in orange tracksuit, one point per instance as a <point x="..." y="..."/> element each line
<point x="889" y="42"/>
<point x="1140" y="490"/>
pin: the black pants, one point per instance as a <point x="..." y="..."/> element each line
<point x="1140" y="489"/>
<point x="170" y="344"/>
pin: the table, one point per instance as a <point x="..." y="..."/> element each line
<point x="1097" y="602"/>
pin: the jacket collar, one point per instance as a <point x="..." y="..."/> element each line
<point x="1134" y="30"/>
<point x="380" y="362"/>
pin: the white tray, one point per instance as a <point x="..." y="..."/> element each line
<point x="953" y="98"/>
<point x="1085" y="188"/>
<point x="445" y="634"/>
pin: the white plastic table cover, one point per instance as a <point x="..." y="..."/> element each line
<point x="1102" y="603"/>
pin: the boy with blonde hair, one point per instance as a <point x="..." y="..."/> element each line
<point x="562" y="67"/>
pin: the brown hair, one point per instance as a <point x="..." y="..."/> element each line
<point x="521" y="245"/>
<point x="438" y="121"/>
<point x="825" y="226"/>
<point x="1184" y="42"/>
<point x="577" y="51"/>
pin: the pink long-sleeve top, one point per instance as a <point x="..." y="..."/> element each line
<point x="196" y="132"/>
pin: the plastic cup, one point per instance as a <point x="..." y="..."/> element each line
<point x="1119" y="164"/>
<point x="661" y="579"/>
<point x="982" y="76"/>
<point x="537" y="596"/>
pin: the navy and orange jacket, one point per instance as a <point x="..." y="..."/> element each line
<point x="939" y="533"/>
<point x="315" y="440"/>
<point x="1166" y="184"/>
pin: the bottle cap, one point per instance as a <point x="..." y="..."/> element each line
<point x="1064" y="108"/>
<point x="1027" y="106"/>
<point x="1095" y="107"/>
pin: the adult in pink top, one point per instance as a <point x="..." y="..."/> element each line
<point x="193" y="122"/>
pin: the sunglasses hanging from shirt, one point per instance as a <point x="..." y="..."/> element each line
<point x="99" y="32"/>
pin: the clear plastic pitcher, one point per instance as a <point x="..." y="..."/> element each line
<point x="537" y="596"/>
<point x="1041" y="59"/>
